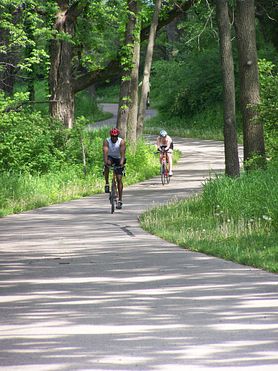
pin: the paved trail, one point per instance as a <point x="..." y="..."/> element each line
<point x="82" y="289"/>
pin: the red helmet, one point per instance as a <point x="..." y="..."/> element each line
<point x="114" y="132"/>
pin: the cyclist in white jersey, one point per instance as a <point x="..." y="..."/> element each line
<point x="114" y="149"/>
<point x="164" y="141"/>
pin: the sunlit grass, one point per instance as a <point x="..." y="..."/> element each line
<point x="207" y="124"/>
<point x="21" y="192"/>
<point x="235" y="219"/>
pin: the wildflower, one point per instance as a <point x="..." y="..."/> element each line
<point x="267" y="218"/>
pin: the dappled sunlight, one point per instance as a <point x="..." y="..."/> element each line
<point x="82" y="289"/>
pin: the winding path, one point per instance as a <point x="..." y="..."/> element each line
<point x="82" y="289"/>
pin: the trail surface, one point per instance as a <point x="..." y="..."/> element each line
<point x="82" y="289"/>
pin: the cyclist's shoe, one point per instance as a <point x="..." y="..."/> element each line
<point x="170" y="173"/>
<point x="107" y="190"/>
<point x="119" y="205"/>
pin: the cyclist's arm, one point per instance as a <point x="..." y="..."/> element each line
<point x="169" y="141"/>
<point x="158" y="143"/>
<point x="122" y="152"/>
<point x="105" y="151"/>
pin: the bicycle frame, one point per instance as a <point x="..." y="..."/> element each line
<point x="164" y="169"/>
<point x="113" y="196"/>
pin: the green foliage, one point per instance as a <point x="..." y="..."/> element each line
<point x="30" y="142"/>
<point x="269" y="106"/>
<point x="235" y="219"/>
<point x="25" y="191"/>
<point x="86" y="105"/>
<point x="207" y="124"/>
<point x="185" y="88"/>
<point x="108" y="93"/>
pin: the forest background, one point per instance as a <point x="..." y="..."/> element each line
<point x="60" y="59"/>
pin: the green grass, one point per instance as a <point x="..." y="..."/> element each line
<point x="87" y="107"/>
<point x="22" y="192"/>
<point x="108" y="94"/>
<point x="235" y="219"/>
<point x="204" y="125"/>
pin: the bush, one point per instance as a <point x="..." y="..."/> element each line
<point x="30" y="142"/>
<point x="269" y="106"/>
<point x="185" y="88"/>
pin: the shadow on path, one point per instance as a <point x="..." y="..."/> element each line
<point x="82" y="289"/>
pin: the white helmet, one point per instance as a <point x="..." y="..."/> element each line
<point x="163" y="133"/>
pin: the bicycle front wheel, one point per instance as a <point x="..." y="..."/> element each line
<point x="162" y="174"/>
<point x="113" y="196"/>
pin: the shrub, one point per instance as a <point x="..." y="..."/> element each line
<point x="269" y="106"/>
<point x="187" y="87"/>
<point x="30" y="142"/>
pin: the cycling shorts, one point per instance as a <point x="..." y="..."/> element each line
<point x="116" y="161"/>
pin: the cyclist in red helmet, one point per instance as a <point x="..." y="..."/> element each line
<point x="114" y="149"/>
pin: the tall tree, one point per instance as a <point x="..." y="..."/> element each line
<point x="61" y="54"/>
<point x="230" y="135"/>
<point x="133" y="106"/>
<point x="147" y="69"/>
<point x="249" y="83"/>
<point x="9" y="50"/>
<point x="127" y="64"/>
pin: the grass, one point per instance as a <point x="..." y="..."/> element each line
<point x="22" y="192"/>
<point x="108" y="94"/>
<point x="234" y="219"/>
<point x="204" y="125"/>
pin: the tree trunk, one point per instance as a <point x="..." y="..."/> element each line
<point x="9" y="58"/>
<point x="60" y="80"/>
<point x="112" y="68"/>
<point x="249" y="84"/>
<point x="230" y="135"/>
<point x="147" y="69"/>
<point x="133" y="109"/>
<point x="126" y="64"/>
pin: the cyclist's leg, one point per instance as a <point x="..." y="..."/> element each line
<point x="120" y="187"/>
<point x="170" y="160"/>
<point x="106" y="177"/>
<point x="119" y="175"/>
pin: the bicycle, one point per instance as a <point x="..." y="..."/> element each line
<point x="164" y="168"/>
<point x="113" y="194"/>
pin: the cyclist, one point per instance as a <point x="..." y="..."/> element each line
<point x="164" y="141"/>
<point x="114" y="149"/>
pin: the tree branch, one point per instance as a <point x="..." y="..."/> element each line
<point x="113" y="67"/>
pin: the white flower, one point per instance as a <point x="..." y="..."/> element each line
<point x="267" y="218"/>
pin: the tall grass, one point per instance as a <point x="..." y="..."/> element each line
<point x="21" y="192"/>
<point x="235" y="219"/>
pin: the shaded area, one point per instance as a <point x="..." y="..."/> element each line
<point x="82" y="289"/>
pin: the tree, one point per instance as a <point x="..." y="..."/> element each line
<point x="230" y="136"/>
<point x="254" y="149"/>
<point x="61" y="54"/>
<point x="127" y="66"/>
<point x="134" y="79"/>
<point x="147" y="69"/>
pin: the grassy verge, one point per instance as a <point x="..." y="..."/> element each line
<point x="235" y="219"/>
<point x="204" y="125"/>
<point x="22" y="192"/>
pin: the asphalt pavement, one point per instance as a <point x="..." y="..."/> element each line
<point x="82" y="289"/>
